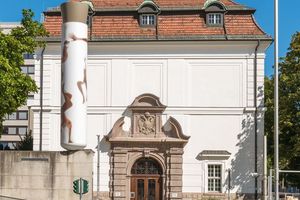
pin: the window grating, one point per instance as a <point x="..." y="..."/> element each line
<point x="146" y="166"/>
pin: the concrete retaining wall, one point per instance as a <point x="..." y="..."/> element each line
<point x="34" y="175"/>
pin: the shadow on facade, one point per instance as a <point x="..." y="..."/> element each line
<point x="243" y="166"/>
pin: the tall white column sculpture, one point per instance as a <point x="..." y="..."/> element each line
<point x="73" y="75"/>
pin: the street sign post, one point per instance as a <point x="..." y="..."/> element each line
<point x="80" y="186"/>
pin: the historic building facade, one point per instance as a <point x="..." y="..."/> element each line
<point x="146" y="159"/>
<point x="175" y="91"/>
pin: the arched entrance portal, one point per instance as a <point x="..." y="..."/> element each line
<point x="146" y="161"/>
<point x="146" y="180"/>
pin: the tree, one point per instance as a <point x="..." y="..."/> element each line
<point x="289" y="111"/>
<point x="14" y="85"/>
<point x="26" y="143"/>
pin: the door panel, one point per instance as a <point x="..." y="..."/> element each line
<point x="152" y="189"/>
<point x="140" y="189"/>
<point x="145" y="188"/>
<point x="146" y="180"/>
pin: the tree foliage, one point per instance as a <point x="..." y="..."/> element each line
<point x="289" y="110"/>
<point x="26" y="143"/>
<point x="14" y="85"/>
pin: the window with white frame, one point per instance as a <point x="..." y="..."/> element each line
<point x="214" y="178"/>
<point x="147" y="20"/>
<point x="28" y="56"/>
<point x="27" y="69"/>
<point x="14" y="130"/>
<point x="18" y="115"/>
<point x="215" y="19"/>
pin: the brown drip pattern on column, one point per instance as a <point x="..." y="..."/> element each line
<point x="73" y="38"/>
<point x="65" y="122"/>
<point x="65" y="52"/>
<point x="80" y="83"/>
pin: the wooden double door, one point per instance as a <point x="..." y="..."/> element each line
<point x="146" y="187"/>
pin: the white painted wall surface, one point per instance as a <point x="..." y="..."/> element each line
<point x="208" y="88"/>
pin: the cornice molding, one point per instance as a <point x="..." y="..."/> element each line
<point x="101" y="110"/>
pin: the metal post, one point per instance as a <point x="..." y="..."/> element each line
<point x="98" y="165"/>
<point x="276" y="99"/>
<point x="80" y="188"/>
<point x="265" y="182"/>
<point x="290" y="171"/>
<point x="41" y="98"/>
<point x="229" y="184"/>
<point x="270" y="184"/>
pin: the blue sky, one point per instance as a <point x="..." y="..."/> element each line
<point x="289" y="15"/>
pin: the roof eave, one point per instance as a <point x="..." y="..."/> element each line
<point x="54" y="39"/>
<point x="56" y="11"/>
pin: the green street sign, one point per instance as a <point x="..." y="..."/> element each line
<point x="85" y="185"/>
<point x="76" y="188"/>
<point x="80" y="186"/>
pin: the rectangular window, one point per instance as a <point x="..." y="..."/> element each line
<point x="28" y="56"/>
<point x="30" y="69"/>
<point x="22" y="115"/>
<point x="8" y="145"/>
<point x="22" y="130"/>
<point x="19" y="115"/>
<point x="14" y="130"/>
<point x="24" y="69"/>
<point x="147" y="20"/>
<point x="5" y="130"/>
<point x="27" y="69"/>
<point x="214" y="178"/>
<point x="214" y="19"/>
<point x="12" y="116"/>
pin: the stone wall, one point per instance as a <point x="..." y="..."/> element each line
<point x="193" y="196"/>
<point x="217" y="196"/>
<point x="34" y="175"/>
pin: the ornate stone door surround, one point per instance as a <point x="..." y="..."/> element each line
<point x="147" y="137"/>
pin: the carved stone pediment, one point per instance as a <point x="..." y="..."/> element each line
<point x="146" y="123"/>
<point x="147" y="101"/>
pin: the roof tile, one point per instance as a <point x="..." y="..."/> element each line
<point x="169" y="25"/>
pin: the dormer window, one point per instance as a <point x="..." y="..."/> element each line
<point x="148" y="11"/>
<point x="214" y="13"/>
<point x="215" y="19"/>
<point x="147" y="20"/>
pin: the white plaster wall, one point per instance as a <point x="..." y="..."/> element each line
<point x="208" y="88"/>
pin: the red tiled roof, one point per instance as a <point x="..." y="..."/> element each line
<point x="161" y="3"/>
<point x="190" y="24"/>
<point x="238" y="24"/>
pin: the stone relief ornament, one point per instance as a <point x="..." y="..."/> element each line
<point x="146" y="124"/>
